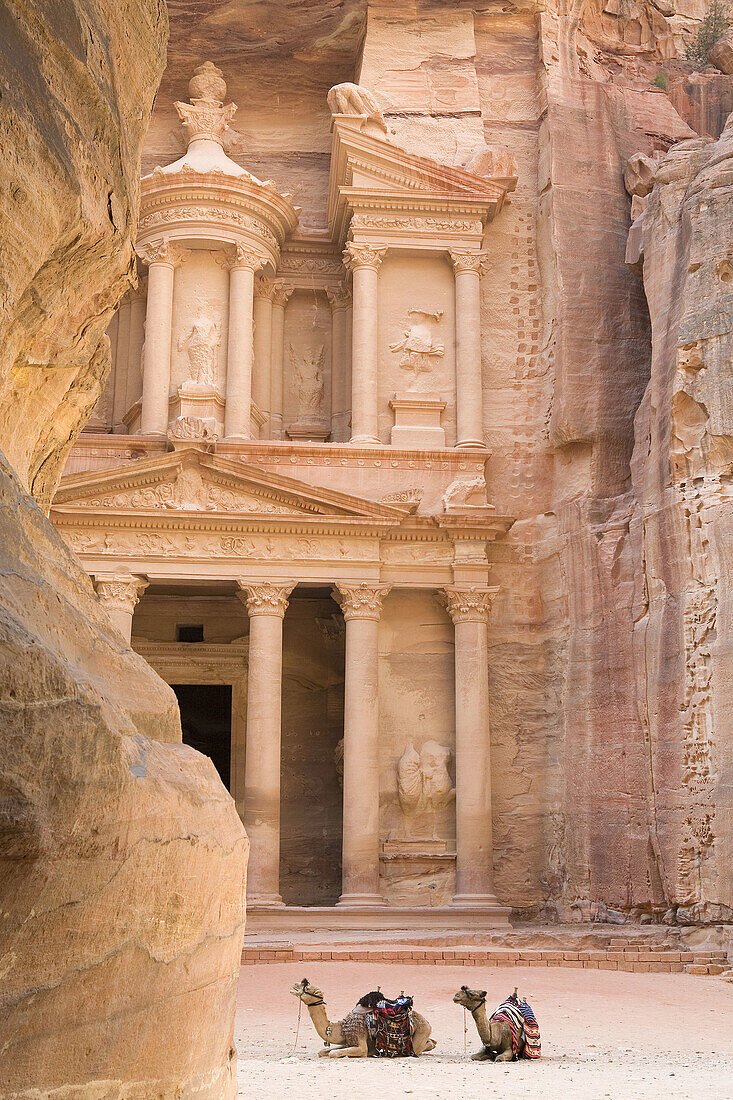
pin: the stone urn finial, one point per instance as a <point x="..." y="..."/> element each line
<point x="207" y="86"/>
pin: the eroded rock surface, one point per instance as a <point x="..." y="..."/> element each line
<point x="122" y="858"/>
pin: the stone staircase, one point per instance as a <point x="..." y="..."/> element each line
<point x="642" y="954"/>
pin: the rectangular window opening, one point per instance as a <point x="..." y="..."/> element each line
<point x="189" y="632"/>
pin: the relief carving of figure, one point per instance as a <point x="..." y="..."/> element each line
<point x="202" y="345"/>
<point x="308" y="368"/>
<point x="423" y="781"/>
<point x="354" y="99"/>
<point x="419" y="350"/>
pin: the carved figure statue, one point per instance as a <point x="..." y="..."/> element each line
<point x="423" y="781"/>
<point x="418" y="348"/>
<point x="308" y="368"/>
<point x="353" y="99"/>
<point x="350" y="1037"/>
<point x="202" y="344"/>
<point x="466" y="492"/>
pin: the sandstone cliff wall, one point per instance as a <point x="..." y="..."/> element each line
<point x="122" y="858"/>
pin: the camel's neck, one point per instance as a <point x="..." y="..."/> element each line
<point x="330" y="1033"/>
<point x="482" y="1024"/>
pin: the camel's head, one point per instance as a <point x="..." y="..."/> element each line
<point x="470" y="998"/>
<point x="307" y="993"/>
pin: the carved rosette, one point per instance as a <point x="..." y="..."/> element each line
<point x="363" y="255"/>
<point x="467" y="605"/>
<point x="265" y="598"/>
<point x="360" y="601"/>
<point x="161" y="251"/>
<point x="463" y="262"/>
<point x="122" y="592"/>
<point x="241" y="256"/>
<point x="339" y="297"/>
<point x="281" y="292"/>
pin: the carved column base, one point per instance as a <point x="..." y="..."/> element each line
<point x="470" y="445"/>
<point x="265" y="901"/>
<point x="360" y="900"/>
<point x="474" y="901"/>
<point x="365" y="440"/>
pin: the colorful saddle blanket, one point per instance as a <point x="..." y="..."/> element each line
<point x="390" y="1027"/>
<point x="522" y="1022"/>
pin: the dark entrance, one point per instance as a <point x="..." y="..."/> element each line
<point x="206" y="721"/>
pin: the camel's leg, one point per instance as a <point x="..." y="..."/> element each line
<point x="506" y="1056"/>
<point x="483" y="1055"/>
<point x="324" y="1052"/>
<point x="421" y="1041"/>
<point x="351" y="1052"/>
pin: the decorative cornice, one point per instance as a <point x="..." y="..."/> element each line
<point x="363" y="255"/>
<point x="162" y="251"/>
<point x="468" y="262"/>
<point x="265" y="598"/>
<point x="360" y="601"/>
<point x="467" y="605"/>
<point x="120" y="592"/>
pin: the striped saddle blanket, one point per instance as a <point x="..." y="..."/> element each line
<point x="522" y="1022"/>
<point x="390" y="1027"/>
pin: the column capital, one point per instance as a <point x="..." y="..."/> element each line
<point x="264" y="287"/>
<point x="162" y="251"/>
<point x="339" y="296"/>
<point x="360" y="601"/>
<point x="120" y="591"/>
<point x="281" y="291"/>
<point x="238" y="255"/>
<point x="265" y="598"/>
<point x="474" y="262"/>
<point x="467" y="605"/>
<point x="363" y="255"/>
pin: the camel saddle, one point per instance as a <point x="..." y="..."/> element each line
<point x="390" y="1027"/>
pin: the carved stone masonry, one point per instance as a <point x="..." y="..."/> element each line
<point x="240" y="256"/>
<point x="468" y="261"/>
<point x="162" y="252"/>
<point x="467" y="605"/>
<point x="121" y="592"/>
<point x="280" y="292"/>
<point x="360" y="601"/>
<point x="264" y="287"/>
<point x="338" y="296"/>
<point x="265" y="598"/>
<point x="363" y="255"/>
<point x="206" y="116"/>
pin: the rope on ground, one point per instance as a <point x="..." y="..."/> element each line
<point x="297" y="1030"/>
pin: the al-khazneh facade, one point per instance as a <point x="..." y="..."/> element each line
<point x="287" y="466"/>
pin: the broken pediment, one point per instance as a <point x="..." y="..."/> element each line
<point x="190" y="481"/>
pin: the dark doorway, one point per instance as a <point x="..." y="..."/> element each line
<point x="206" y="721"/>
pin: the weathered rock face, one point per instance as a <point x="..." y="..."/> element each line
<point x="681" y="526"/>
<point x="122" y="858"/>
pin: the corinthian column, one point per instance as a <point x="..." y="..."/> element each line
<point x="364" y="263"/>
<point x="340" y="300"/>
<point x="162" y="258"/>
<point x="266" y="605"/>
<point x="240" y="351"/>
<point x="119" y="593"/>
<point x="262" y="349"/>
<point x="281" y="291"/>
<point x="469" y="611"/>
<point x="362" y="607"/>
<point x="469" y="396"/>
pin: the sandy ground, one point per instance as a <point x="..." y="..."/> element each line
<point x="604" y="1034"/>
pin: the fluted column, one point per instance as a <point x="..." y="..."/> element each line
<point x="340" y="299"/>
<point x="469" y="395"/>
<point x="262" y="349"/>
<point x="266" y="605"/>
<point x="469" y="611"/>
<point x="281" y="291"/>
<point x="162" y="258"/>
<point x="119" y="593"/>
<point x="240" y="348"/>
<point x="362" y="608"/>
<point x="364" y="263"/>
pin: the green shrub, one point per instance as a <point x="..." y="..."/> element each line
<point x="712" y="28"/>
<point x="660" y="81"/>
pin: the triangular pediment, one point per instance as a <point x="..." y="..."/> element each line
<point x="194" y="482"/>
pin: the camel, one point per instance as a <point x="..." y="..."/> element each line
<point x="494" y="1034"/>
<point x="349" y="1038"/>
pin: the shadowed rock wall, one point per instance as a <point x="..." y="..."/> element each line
<point x="122" y="858"/>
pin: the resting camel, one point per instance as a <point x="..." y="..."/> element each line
<point x="494" y="1034"/>
<point x="349" y="1038"/>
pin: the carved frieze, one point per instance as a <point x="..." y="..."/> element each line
<point x="226" y="215"/>
<point x="416" y="224"/>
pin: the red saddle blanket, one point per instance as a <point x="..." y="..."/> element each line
<point x="390" y="1028"/>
